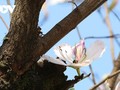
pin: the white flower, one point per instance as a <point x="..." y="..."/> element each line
<point x="76" y="56"/>
<point x="50" y="59"/>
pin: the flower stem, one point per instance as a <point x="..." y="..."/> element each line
<point x="78" y="71"/>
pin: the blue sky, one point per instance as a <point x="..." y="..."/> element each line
<point x="91" y="26"/>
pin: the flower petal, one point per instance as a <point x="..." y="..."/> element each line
<point x="52" y="60"/>
<point x="58" y="52"/>
<point x="64" y="52"/>
<point x="94" y="51"/>
<point x="78" y="65"/>
<point x="75" y="65"/>
<point x="67" y="52"/>
<point x="78" y="50"/>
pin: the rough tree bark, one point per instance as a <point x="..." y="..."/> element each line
<point x="116" y="67"/>
<point x="23" y="46"/>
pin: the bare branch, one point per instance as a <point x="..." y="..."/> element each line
<point x="109" y="77"/>
<point x="8" y="2"/>
<point x="116" y="68"/>
<point x="93" y="76"/>
<point x="107" y="21"/>
<point x="116" y="15"/>
<point x="68" y="24"/>
<point x="77" y="79"/>
<point x="4" y="22"/>
<point x="100" y="13"/>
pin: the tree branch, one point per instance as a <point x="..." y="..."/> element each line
<point x="67" y="24"/>
<point x="108" y="23"/>
<point x="116" y="68"/>
<point x="4" y="22"/>
<point x="109" y="77"/>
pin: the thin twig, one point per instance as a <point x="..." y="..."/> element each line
<point x="116" y="15"/>
<point x="112" y="5"/>
<point x="71" y="83"/>
<point x="110" y="76"/>
<point x="115" y="68"/>
<point x="107" y="21"/>
<point x="116" y="36"/>
<point x="93" y="76"/>
<point x="100" y="13"/>
<point x="86" y="76"/>
<point x="4" y="22"/>
<point x="118" y="43"/>
<point x="103" y="37"/>
<point x="78" y="32"/>
<point x="8" y="2"/>
<point x="72" y="3"/>
<point x="79" y="78"/>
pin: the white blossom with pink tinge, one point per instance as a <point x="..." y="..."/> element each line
<point x="76" y="56"/>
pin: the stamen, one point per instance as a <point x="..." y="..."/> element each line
<point x="60" y="48"/>
<point x="84" y="55"/>
<point x="75" y="52"/>
<point x="57" y="58"/>
<point x="75" y="61"/>
<point x="84" y="50"/>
